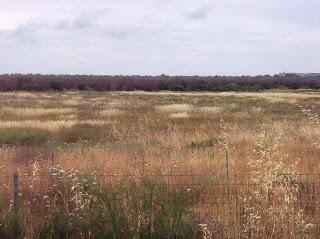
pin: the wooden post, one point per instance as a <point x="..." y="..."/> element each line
<point x="15" y="190"/>
<point x="52" y="168"/>
<point x="213" y="149"/>
<point x="242" y="221"/>
<point x="52" y="163"/>
<point x="227" y="164"/>
<point x="227" y="183"/>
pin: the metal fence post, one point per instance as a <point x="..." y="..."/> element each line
<point x="15" y="190"/>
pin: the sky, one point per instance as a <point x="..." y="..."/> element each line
<point x="152" y="37"/>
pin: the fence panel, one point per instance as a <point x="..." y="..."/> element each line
<point x="237" y="204"/>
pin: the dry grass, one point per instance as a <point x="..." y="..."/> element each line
<point x="110" y="112"/>
<point x="37" y="111"/>
<point x="141" y="123"/>
<point x="263" y="134"/>
<point x="50" y="125"/>
<point x="300" y="94"/>
<point x="211" y="109"/>
<point x="179" y="115"/>
<point x="175" y="108"/>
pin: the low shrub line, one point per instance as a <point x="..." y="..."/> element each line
<point x="36" y="82"/>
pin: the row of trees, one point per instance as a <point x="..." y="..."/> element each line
<point x="36" y="82"/>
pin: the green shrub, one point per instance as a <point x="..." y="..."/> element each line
<point x="83" y="86"/>
<point x="30" y="87"/>
<point x="23" y="137"/>
<point x="57" y="85"/>
<point x="86" y="132"/>
<point x="316" y="86"/>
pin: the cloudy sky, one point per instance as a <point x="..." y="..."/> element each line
<point x="176" y="37"/>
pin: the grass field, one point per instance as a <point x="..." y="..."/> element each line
<point x="241" y="163"/>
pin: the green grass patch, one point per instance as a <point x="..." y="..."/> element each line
<point x="86" y="132"/>
<point x="25" y="137"/>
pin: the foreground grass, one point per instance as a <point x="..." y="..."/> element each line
<point x="76" y="207"/>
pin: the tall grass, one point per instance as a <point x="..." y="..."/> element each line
<point x="78" y="206"/>
<point x="160" y="165"/>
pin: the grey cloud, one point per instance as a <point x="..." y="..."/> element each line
<point x="86" y="20"/>
<point x="151" y="36"/>
<point x="126" y="32"/>
<point x="77" y="23"/>
<point x="199" y="13"/>
<point x="23" y="34"/>
<point x="23" y="29"/>
<point x="82" y="22"/>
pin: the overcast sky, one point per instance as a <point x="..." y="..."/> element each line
<point x="176" y="37"/>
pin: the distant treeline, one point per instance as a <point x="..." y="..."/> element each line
<point x="36" y="82"/>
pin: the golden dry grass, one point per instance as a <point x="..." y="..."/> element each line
<point x="161" y="126"/>
<point x="50" y="125"/>
<point x="263" y="134"/>
<point x="37" y="111"/>
<point x="174" y="108"/>
<point x="110" y="112"/>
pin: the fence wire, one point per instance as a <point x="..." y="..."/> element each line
<point x="227" y="203"/>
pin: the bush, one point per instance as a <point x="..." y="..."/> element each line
<point x="233" y="86"/>
<point x="30" y="87"/>
<point x="86" y="132"/>
<point x="156" y="83"/>
<point x="57" y="85"/>
<point x="83" y="86"/>
<point x="316" y="86"/>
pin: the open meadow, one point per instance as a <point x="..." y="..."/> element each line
<point x="160" y="165"/>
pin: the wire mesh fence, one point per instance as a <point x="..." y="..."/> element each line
<point x="233" y="205"/>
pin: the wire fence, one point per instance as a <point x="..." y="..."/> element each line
<point x="233" y="205"/>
